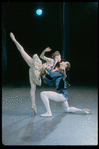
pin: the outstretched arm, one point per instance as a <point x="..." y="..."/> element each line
<point x="42" y="56"/>
<point x="25" y="56"/>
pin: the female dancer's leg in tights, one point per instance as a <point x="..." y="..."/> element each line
<point x="32" y="92"/>
<point x="28" y="60"/>
<point x="46" y="95"/>
<point x="25" y="56"/>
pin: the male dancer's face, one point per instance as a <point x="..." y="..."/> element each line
<point x="63" y="65"/>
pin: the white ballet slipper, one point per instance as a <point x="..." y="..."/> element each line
<point x="87" y="111"/>
<point x="47" y="114"/>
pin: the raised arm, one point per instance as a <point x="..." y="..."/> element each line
<point x="42" y="56"/>
<point x="25" y="56"/>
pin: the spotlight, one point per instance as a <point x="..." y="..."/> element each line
<point x="39" y="12"/>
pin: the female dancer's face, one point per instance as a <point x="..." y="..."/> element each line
<point x="58" y="57"/>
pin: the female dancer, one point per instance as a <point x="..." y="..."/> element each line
<point x="36" y="67"/>
<point x="61" y="95"/>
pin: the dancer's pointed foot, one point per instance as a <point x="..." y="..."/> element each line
<point x="34" y="109"/>
<point x="12" y="36"/>
<point x="88" y="111"/>
<point x="47" y="114"/>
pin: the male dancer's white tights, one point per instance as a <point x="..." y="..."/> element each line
<point x="46" y="95"/>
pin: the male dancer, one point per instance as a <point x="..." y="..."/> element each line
<point x="61" y="95"/>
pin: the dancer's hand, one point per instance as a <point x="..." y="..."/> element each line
<point x="56" y="69"/>
<point x="12" y="36"/>
<point x="48" y="49"/>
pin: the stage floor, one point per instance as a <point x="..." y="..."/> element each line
<point x="21" y="127"/>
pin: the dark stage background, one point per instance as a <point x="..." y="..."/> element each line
<point x="35" y="33"/>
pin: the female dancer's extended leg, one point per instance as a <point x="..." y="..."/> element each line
<point x="29" y="61"/>
<point x="25" y="56"/>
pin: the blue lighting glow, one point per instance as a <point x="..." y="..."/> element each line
<point x="96" y="3"/>
<point x="39" y="12"/>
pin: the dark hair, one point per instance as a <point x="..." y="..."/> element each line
<point x="67" y="69"/>
<point x="68" y="66"/>
<point x="56" y="53"/>
<point x="57" y="65"/>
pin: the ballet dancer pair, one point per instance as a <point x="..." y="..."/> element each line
<point x="36" y="68"/>
<point x="57" y="76"/>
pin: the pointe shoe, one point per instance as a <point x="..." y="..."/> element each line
<point x="47" y="114"/>
<point x="34" y="109"/>
<point x="12" y="36"/>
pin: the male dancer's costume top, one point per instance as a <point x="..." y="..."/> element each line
<point x="58" y="79"/>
